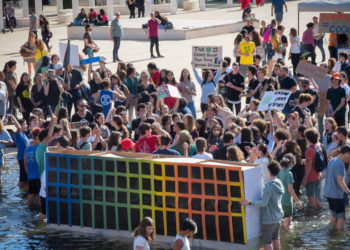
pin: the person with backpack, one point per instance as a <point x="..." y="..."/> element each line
<point x="316" y="162"/>
<point x="208" y="84"/>
<point x="84" y="144"/>
<point x="335" y="187"/>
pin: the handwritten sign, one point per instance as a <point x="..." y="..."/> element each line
<point x="310" y="70"/>
<point x="167" y="90"/>
<point x="274" y="100"/>
<point x="78" y="125"/>
<point x="335" y="23"/>
<point x="207" y="57"/>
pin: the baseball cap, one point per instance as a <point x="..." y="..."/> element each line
<point x="336" y="75"/>
<point x="127" y="144"/>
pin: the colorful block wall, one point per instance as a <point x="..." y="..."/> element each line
<point x="116" y="193"/>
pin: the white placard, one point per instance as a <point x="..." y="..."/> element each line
<point x="74" y="53"/>
<point x="274" y="100"/>
<point x="168" y="90"/>
<point x="207" y="57"/>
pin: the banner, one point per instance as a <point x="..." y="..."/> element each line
<point x="92" y="60"/>
<point x="168" y="90"/>
<point x="335" y="23"/>
<point x="207" y="57"/>
<point x="311" y="71"/>
<point x="274" y="100"/>
<point x="73" y="53"/>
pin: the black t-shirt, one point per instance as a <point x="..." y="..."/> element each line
<point x="88" y="117"/>
<point x="53" y="97"/>
<point x="300" y="112"/>
<point x="246" y="11"/>
<point x="347" y="71"/>
<point x="38" y="95"/>
<point x="22" y="91"/>
<point x="335" y="96"/>
<point x="248" y="28"/>
<point x="245" y="144"/>
<point x="238" y="81"/>
<point x="74" y="81"/>
<point x="314" y="95"/>
<point x="95" y="87"/>
<point x="166" y="152"/>
<point x="284" y="40"/>
<point x="287" y="83"/>
<point x="220" y="153"/>
<point x="134" y="125"/>
<point x="145" y="93"/>
<point x="88" y="37"/>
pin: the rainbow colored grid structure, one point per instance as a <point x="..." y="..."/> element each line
<point x="111" y="191"/>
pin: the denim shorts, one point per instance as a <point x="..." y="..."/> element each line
<point x="90" y="52"/>
<point x="314" y="189"/>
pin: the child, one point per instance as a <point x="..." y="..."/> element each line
<point x="187" y="229"/>
<point x="271" y="209"/>
<point x="201" y="145"/>
<point x="286" y="176"/>
<point x="32" y="169"/>
<point x="22" y="142"/>
<point x="143" y="234"/>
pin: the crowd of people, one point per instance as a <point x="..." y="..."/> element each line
<point x="120" y="109"/>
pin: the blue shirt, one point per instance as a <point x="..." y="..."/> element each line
<point x="166" y="151"/>
<point x="278" y="4"/>
<point x="22" y="142"/>
<point x="4" y="136"/>
<point x="106" y="96"/>
<point x="32" y="165"/>
<point x="207" y="87"/>
<point x="335" y="168"/>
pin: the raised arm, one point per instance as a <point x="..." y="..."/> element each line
<point x="198" y="77"/>
<point x="51" y="128"/>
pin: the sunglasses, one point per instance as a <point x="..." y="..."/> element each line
<point x="84" y="105"/>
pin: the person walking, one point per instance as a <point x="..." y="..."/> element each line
<point x="89" y="44"/>
<point x="277" y="9"/>
<point x="309" y="43"/>
<point x="45" y="31"/>
<point x="318" y="37"/>
<point x="116" y="34"/>
<point x="33" y="22"/>
<point x="153" y="27"/>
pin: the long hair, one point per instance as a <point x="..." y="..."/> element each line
<point x="118" y="120"/>
<point x="190" y="125"/>
<point x="234" y="153"/>
<point x="256" y="38"/>
<point x="293" y="148"/>
<point x="9" y="65"/>
<point x="114" y="139"/>
<point x="182" y="79"/>
<point x="39" y="44"/>
<point x="43" y="21"/>
<point x="21" y="82"/>
<point x="141" y="229"/>
<point x="184" y="137"/>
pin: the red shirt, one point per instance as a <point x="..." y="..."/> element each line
<point x="308" y="37"/>
<point x="310" y="155"/>
<point x="146" y="144"/>
<point x="153" y="28"/>
<point x="156" y="77"/>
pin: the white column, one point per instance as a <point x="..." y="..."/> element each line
<point x="75" y="8"/>
<point x="59" y="4"/>
<point x="92" y="3"/>
<point x="148" y="8"/>
<point x="173" y="7"/>
<point x="25" y="8"/>
<point x="1" y="19"/>
<point x="201" y="5"/>
<point x="110" y="10"/>
<point x="229" y="3"/>
<point x="38" y="7"/>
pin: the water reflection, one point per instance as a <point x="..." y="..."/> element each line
<point x="21" y="229"/>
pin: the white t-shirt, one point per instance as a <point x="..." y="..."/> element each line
<point x="141" y="242"/>
<point x="295" y="47"/>
<point x="204" y="156"/>
<point x="185" y="241"/>
<point x="337" y="67"/>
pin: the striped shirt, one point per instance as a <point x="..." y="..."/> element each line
<point x="308" y="37"/>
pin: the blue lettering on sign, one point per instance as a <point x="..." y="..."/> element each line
<point x="339" y="29"/>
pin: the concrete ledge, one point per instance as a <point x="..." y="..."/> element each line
<point x="21" y="22"/>
<point x="161" y="241"/>
<point x="191" y="5"/>
<point x="183" y="29"/>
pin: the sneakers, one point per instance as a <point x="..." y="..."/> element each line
<point x="152" y="56"/>
<point x="160" y="56"/>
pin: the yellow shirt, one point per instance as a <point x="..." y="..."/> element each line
<point x="246" y="48"/>
<point x="39" y="54"/>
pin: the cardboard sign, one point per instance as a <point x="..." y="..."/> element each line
<point x="207" y="57"/>
<point x="311" y="71"/>
<point x="73" y="55"/>
<point x="274" y="100"/>
<point x="335" y="23"/>
<point x="78" y="125"/>
<point x="168" y="90"/>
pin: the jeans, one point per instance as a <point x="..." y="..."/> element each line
<point x="295" y="60"/>
<point x="319" y="44"/>
<point x="237" y="107"/>
<point x="193" y="109"/>
<point x="116" y="41"/>
<point x="333" y="52"/>
<point x="141" y="10"/>
<point x="154" y="41"/>
<point x="132" y="11"/>
<point x="11" y="107"/>
<point x="204" y="107"/>
<point x="320" y="124"/>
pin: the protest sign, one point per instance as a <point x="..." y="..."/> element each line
<point x="73" y="55"/>
<point x="77" y="125"/>
<point x="310" y="70"/>
<point x="274" y="100"/>
<point x="335" y="23"/>
<point x="168" y="90"/>
<point x="207" y="57"/>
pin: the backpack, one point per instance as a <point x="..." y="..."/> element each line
<point x="81" y="146"/>
<point x="321" y="160"/>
